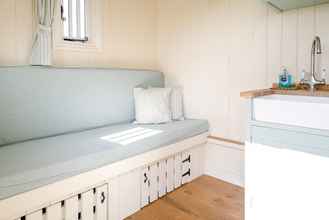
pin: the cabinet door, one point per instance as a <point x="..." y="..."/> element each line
<point x="87" y="205"/>
<point x="145" y="189"/>
<point x="101" y="203"/>
<point x="259" y="174"/>
<point x="91" y="204"/>
<point x="170" y="171"/>
<point x="154" y="173"/>
<point x="162" y="178"/>
<point x="113" y="199"/>
<point x="288" y="184"/>
<point x="178" y="170"/>
<point x="129" y="193"/>
<point x="186" y="167"/>
<point x="71" y="208"/>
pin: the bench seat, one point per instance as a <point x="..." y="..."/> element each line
<point x="32" y="164"/>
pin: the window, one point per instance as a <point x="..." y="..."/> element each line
<point x="74" y="19"/>
<point x="82" y="32"/>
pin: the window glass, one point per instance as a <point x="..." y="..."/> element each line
<point x="74" y="20"/>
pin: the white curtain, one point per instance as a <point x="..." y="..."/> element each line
<point x="43" y="41"/>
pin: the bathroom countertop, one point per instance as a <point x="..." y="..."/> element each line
<point x="321" y="92"/>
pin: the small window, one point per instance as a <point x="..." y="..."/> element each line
<point x="74" y="19"/>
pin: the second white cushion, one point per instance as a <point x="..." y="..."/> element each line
<point x="177" y="109"/>
<point x="152" y="106"/>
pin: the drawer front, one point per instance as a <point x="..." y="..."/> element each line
<point x="164" y="176"/>
<point x="294" y="140"/>
<point x="157" y="180"/>
<point x="186" y="167"/>
<point x="91" y="204"/>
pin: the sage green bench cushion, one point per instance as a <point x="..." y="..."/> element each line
<point x="29" y="165"/>
<point x="41" y="101"/>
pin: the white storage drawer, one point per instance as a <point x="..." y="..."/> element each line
<point x="164" y="176"/>
<point x="91" y="204"/>
<point x="157" y="180"/>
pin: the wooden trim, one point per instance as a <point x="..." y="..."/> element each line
<point x="226" y="140"/>
<point x="256" y="93"/>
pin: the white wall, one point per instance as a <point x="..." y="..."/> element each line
<point x="15" y="32"/>
<point x="213" y="48"/>
<point x="217" y="48"/>
<point x="225" y="161"/>
<point x="128" y="30"/>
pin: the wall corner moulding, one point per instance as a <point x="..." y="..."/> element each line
<point x="284" y="5"/>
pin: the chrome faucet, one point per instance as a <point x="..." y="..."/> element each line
<point x="313" y="81"/>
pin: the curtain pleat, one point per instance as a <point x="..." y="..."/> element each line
<point x="43" y="41"/>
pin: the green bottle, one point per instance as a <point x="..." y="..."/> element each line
<point x="285" y="79"/>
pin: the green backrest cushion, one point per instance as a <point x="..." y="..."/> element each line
<point x="38" y="102"/>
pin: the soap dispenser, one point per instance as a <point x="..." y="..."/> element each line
<point x="285" y="79"/>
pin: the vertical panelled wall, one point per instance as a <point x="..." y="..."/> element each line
<point x="290" y="36"/>
<point x="127" y="29"/>
<point x="15" y="31"/>
<point x="213" y="48"/>
<point x="217" y="48"/>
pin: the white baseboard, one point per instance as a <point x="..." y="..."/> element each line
<point x="225" y="161"/>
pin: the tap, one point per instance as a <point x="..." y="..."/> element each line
<point x="316" y="50"/>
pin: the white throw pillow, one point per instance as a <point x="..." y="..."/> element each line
<point x="152" y="106"/>
<point x="177" y="109"/>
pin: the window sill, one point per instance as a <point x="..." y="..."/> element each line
<point x="78" y="46"/>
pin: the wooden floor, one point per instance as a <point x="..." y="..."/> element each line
<point x="205" y="198"/>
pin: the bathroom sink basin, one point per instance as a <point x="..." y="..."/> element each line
<point x="302" y="111"/>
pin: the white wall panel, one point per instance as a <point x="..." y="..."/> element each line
<point x="274" y="45"/>
<point x="322" y="29"/>
<point x="126" y="27"/>
<point x="244" y="46"/>
<point x="225" y="162"/>
<point x="306" y="32"/>
<point x="289" y="41"/>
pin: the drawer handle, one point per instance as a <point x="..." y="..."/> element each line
<point x="187" y="159"/>
<point x="145" y="178"/>
<point x="188" y="173"/>
<point x="103" y="197"/>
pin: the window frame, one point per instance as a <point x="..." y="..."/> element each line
<point x="86" y="16"/>
<point x="94" y="29"/>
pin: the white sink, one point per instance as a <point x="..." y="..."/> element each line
<point x="303" y="111"/>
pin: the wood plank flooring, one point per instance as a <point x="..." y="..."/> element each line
<point x="206" y="198"/>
